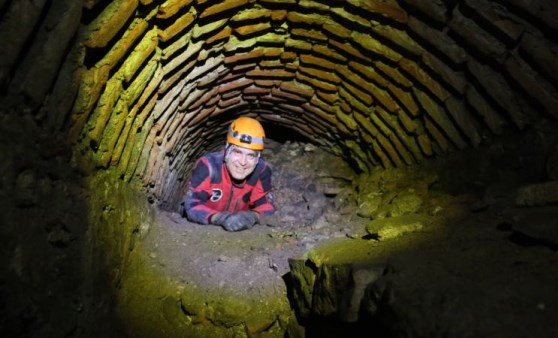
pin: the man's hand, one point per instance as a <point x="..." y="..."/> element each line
<point x="219" y="218"/>
<point x="240" y="221"/>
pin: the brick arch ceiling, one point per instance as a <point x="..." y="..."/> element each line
<point x="386" y="83"/>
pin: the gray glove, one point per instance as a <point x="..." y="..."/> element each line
<point x="219" y="218"/>
<point x="242" y="220"/>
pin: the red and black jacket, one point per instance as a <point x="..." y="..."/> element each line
<point x="212" y="190"/>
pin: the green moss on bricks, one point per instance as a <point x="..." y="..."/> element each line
<point x="153" y="303"/>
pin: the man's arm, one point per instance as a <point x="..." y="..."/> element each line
<point x="198" y="194"/>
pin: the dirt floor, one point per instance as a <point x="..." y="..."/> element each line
<point x="457" y="265"/>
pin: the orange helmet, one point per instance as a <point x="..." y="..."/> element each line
<point x="246" y="132"/>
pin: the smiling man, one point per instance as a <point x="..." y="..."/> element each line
<point x="232" y="187"/>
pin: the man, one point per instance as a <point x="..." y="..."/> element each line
<point x="232" y="188"/>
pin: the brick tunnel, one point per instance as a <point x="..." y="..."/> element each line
<point x="105" y="106"/>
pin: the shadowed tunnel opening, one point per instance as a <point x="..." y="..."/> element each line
<point x="105" y="106"/>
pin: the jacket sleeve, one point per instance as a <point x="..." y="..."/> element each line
<point x="262" y="196"/>
<point x="198" y="194"/>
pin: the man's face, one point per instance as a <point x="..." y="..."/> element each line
<point x="241" y="161"/>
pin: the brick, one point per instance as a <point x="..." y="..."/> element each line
<point x="315" y="101"/>
<point x="348" y="49"/>
<point x="438" y="114"/>
<point x="307" y="19"/>
<point x="271" y="64"/>
<point x="298" y="88"/>
<point x="390" y="150"/>
<point x="336" y="29"/>
<point x="455" y="79"/>
<point x="312" y="34"/>
<point x="192" y="50"/>
<point x="444" y="146"/>
<point x="105" y="26"/>
<point x="367" y="42"/>
<point x="354" y="78"/>
<point x="316" y="61"/>
<point x="464" y="120"/>
<point x="397" y="138"/>
<point x="118" y="51"/>
<point x="422" y="77"/>
<point x="406" y="99"/>
<point x="206" y="97"/>
<point x="279" y="15"/>
<point x="476" y="38"/>
<point x="251" y="14"/>
<point x="492" y="82"/>
<point x="435" y="10"/>
<point x="385" y="99"/>
<point x="291" y="107"/>
<point x="222" y="7"/>
<point x="201" y="31"/>
<point x="439" y="40"/>
<point x="316" y="83"/>
<point x="251" y="30"/>
<point x="328" y="97"/>
<point x="98" y="120"/>
<point x="288" y="56"/>
<point x="171" y="7"/>
<point x="425" y="145"/>
<point x="490" y="117"/>
<point x="233" y="44"/>
<point x="205" y="68"/>
<point x="243" y="68"/>
<point x="347" y="120"/>
<point x="328" y="53"/>
<point x="498" y="19"/>
<point x="369" y="73"/>
<point x="329" y="118"/>
<point x="389" y="9"/>
<point x="362" y="96"/>
<point x="271" y="74"/>
<point x="346" y="107"/>
<point x="273" y="52"/>
<point x="320" y="74"/>
<point x="311" y="4"/>
<point x="298" y="44"/>
<point x="127" y="142"/>
<point x="394" y="74"/>
<point x="267" y="83"/>
<point x="352" y="100"/>
<point x="229" y="103"/>
<point x="244" y="57"/>
<point x="139" y="55"/>
<point x="366" y="124"/>
<point x="409" y="124"/>
<point x="177" y="26"/>
<point x="255" y="90"/>
<point x="400" y="38"/>
<point x="235" y="85"/>
<point x="223" y="34"/>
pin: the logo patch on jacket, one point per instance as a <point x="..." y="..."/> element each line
<point x="216" y="195"/>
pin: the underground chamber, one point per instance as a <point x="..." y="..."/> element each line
<point x="413" y="148"/>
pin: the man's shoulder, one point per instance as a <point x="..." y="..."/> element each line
<point x="263" y="164"/>
<point x="214" y="158"/>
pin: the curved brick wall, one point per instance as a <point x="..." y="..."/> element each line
<point x="146" y="86"/>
